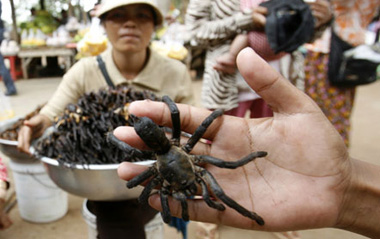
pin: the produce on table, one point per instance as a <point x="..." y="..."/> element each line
<point x="34" y="31"/>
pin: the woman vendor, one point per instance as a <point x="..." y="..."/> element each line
<point x="129" y="25"/>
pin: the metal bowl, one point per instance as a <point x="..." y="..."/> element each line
<point x="9" y="149"/>
<point x="98" y="182"/>
<point x="94" y="181"/>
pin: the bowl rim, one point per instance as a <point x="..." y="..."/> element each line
<point x="8" y="142"/>
<point x="55" y="163"/>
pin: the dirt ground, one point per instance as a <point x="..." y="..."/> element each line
<point x="364" y="146"/>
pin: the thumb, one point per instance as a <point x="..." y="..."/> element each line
<point x="38" y="121"/>
<point x="31" y="123"/>
<point x="277" y="92"/>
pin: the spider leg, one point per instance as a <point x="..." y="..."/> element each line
<point x="199" y="132"/>
<point x="230" y="164"/>
<point x="142" y="177"/>
<point x="229" y="201"/>
<point x="165" y="214"/>
<point x="182" y="198"/>
<point x="143" y="198"/>
<point x="133" y="152"/>
<point x="207" y="198"/>
<point x="175" y="119"/>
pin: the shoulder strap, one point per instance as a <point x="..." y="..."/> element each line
<point x="102" y="67"/>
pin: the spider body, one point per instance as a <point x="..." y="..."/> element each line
<point x="176" y="171"/>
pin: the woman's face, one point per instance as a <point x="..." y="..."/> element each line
<point x="130" y="28"/>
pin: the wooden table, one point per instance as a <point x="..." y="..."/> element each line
<point x="27" y="54"/>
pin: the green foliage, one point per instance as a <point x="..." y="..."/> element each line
<point x="43" y="21"/>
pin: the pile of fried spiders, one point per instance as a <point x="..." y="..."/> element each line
<point x="176" y="172"/>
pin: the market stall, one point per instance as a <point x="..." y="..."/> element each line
<point x="27" y="54"/>
<point x="46" y="39"/>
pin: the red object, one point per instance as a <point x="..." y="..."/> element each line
<point x="3" y="171"/>
<point x="14" y="66"/>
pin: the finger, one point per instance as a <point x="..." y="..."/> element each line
<point x="191" y="117"/>
<point x="277" y="92"/>
<point x="24" y="137"/>
<point x="31" y="123"/>
<point x="261" y="10"/>
<point x="127" y="171"/>
<point x="28" y="123"/>
<point x="224" y="68"/>
<point x="129" y="135"/>
<point x="321" y="7"/>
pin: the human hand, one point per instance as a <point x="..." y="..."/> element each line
<point x="32" y="129"/>
<point x="226" y="63"/>
<point x="299" y="185"/>
<point x="259" y="17"/>
<point x="321" y="11"/>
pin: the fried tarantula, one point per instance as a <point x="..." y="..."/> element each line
<point x="177" y="172"/>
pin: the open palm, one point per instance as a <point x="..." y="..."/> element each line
<point x="297" y="186"/>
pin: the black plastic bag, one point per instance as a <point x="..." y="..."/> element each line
<point x="346" y="71"/>
<point x="289" y="24"/>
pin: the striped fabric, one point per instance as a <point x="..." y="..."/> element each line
<point x="212" y="25"/>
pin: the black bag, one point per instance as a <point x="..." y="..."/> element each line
<point x="347" y="71"/>
<point x="288" y="24"/>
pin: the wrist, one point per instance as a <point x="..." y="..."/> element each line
<point x="360" y="211"/>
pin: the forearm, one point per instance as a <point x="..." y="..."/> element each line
<point x="68" y="91"/>
<point x="361" y="206"/>
<point x="239" y="43"/>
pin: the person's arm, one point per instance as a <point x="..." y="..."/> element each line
<point x="227" y="62"/>
<point x="239" y="43"/>
<point x="68" y="91"/>
<point x="322" y="12"/>
<point x="207" y="32"/>
<point x="306" y="181"/>
<point x="323" y="17"/>
<point x="360" y="211"/>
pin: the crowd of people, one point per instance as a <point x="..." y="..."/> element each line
<point x="325" y="187"/>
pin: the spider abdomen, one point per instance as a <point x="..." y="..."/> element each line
<point x="176" y="168"/>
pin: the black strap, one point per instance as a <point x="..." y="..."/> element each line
<point x="102" y="67"/>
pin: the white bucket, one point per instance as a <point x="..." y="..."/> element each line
<point x="154" y="229"/>
<point x="90" y="219"/>
<point x="39" y="199"/>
